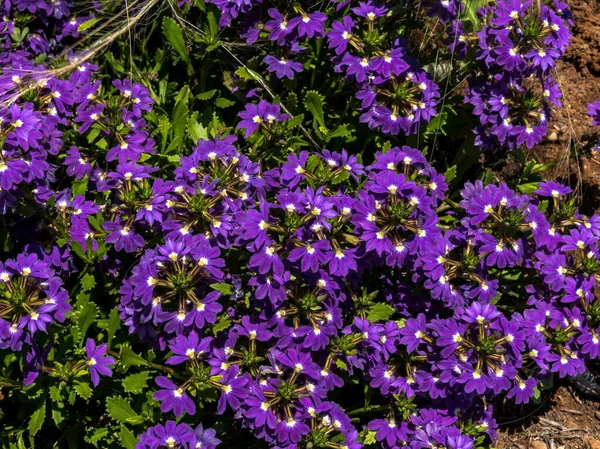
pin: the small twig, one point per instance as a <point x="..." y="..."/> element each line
<point x="579" y="401"/>
<point x="552" y="423"/>
<point x="573" y="412"/>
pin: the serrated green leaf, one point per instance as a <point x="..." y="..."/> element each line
<point x="128" y="439"/>
<point x="120" y="410"/>
<point x="314" y="103"/>
<point x="83" y="390"/>
<point x="114" y="323"/>
<point x="88" y="24"/>
<point x="196" y="131"/>
<point x="295" y="121"/>
<point x="37" y="417"/>
<point x="222" y="324"/>
<point x="223" y="102"/>
<point x="136" y="382"/>
<point x="312" y="163"/>
<point x="87" y="313"/>
<point x="380" y="312"/>
<point x="207" y="95"/>
<point x="367" y="437"/>
<point x="340" y="131"/>
<point x="343" y="176"/>
<point x="248" y="74"/>
<point x="58" y="415"/>
<point x="174" y="35"/>
<point x="129" y="358"/>
<point x="163" y="129"/>
<point x="97" y="435"/>
<point x="88" y="282"/>
<point x="450" y="174"/>
<point x="225" y="289"/>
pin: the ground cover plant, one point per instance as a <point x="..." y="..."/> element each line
<point x="262" y="224"/>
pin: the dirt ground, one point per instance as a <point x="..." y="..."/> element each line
<point x="571" y="131"/>
<point x="565" y="419"/>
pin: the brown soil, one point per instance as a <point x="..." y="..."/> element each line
<point x="563" y="420"/>
<point x="566" y="420"/>
<point x="571" y="132"/>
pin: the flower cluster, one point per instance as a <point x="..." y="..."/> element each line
<point x="517" y="47"/>
<point x="334" y="297"/>
<point x="298" y="320"/>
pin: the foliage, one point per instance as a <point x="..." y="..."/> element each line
<point x="271" y="224"/>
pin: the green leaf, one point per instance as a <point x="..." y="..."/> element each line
<point x="450" y="174"/>
<point x="543" y="206"/>
<point x="343" y="176"/>
<point x="37" y="417"/>
<point x="380" y="312"/>
<point x="80" y="186"/>
<point x="314" y="103"/>
<point x="88" y="282"/>
<point x="248" y="74"/>
<point x="128" y="439"/>
<point x="163" y="129"/>
<point x="312" y="163"/>
<point x="97" y="435"/>
<point x="83" y="390"/>
<point x="293" y="122"/>
<point x="174" y="35"/>
<point x="88" y="24"/>
<point x="222" y="324"/>
<point x="196" y="131"/>
<point x="86" y="314"/>
<point x="120" y="410"/>
<point x="136" y="382"/>
<point x="180" y="119"/>
<point x="225" y="289"/>
<point x="341" y="131"/>
<point x="129" y="358"/>
<point x="58" y="415"/>
<point x="213" y="26"/>
<point x="368" y="437"/>
<point x="470" y="13"/>
<point x="207" y="95"/>
<point x="223" y="102"/>
<point x="528" y="188"/>
<point x="341" y="364"/>
<point x="114" y="323"/>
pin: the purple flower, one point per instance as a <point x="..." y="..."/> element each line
<point x="340" y="35"/>
<point x="170" y="435"/>
<point x="233" y="389"/>
<point x="309" y="24"/>
<point x="282" y="67"/>
<point x="97" y="362"/>
<point x="262" y="114"/>
<point x="173" y="397"/>
<point x="188" y="348"/>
